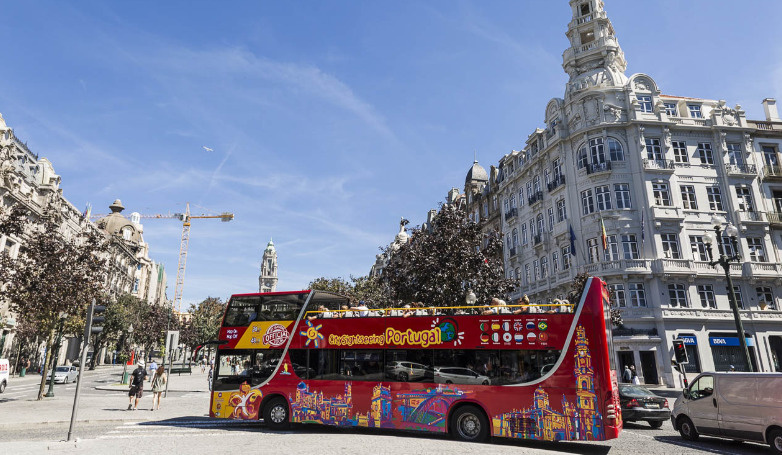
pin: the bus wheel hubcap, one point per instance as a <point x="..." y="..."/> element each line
<point x="469" y="426"/>
<point x="278" y="414"/>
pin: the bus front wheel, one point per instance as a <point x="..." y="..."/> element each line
<point x="275" y="414"/>
<point x="469" y="423"/>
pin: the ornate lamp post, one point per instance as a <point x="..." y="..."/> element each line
<point x="470" y="299"/>
<point x="125" y="363"/>
<point x="56" y="353"/>
<point x="724" y="261"/>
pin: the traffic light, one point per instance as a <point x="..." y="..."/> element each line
<point x="96" y="318"/>
<point x="680" y="352"/>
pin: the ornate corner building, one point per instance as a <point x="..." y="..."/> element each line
<point x="267" y="281"/>
<point x="617" y="156"/>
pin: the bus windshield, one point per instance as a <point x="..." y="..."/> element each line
<point x="242" y="310"/>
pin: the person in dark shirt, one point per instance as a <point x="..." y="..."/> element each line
<point x="136" y="385"/>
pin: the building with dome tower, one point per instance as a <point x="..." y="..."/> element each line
<point x="622" y="182"/>
<point x="267" y="281"/>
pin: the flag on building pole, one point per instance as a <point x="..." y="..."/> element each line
<point x="603" y="233"/>
<point x="88" y="211"/>
<point x="572" y="241"/>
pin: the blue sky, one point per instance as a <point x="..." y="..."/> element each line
<point x="329" y="120"/>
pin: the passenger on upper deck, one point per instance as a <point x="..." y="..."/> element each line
<point x="564" y="306"/>
<point x="363" y="310"/>
<point x="498" y="307"/>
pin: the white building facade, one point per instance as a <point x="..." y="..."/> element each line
<point x="617" y="156"/>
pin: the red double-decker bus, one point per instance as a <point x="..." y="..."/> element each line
<point x="297" y="357"/>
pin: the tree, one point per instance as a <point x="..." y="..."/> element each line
<point x="205" y="320"/>
<point x="440" y="264"/>
<point x="54" y="274"/>
<point x="119" y="315"/>
<point x="364" y="288"/>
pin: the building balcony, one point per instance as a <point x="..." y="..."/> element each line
<point x="761" y="269"/>
<point x="690" y="121"/>
<point x="661" y="213"/>
<point x="673" y="267"/>
<point x="775" y="218"/>
<point x="557" y="183"/>
<point x="667" y="166"/>
<point x="742" y="170"/>
<point x="535" y="197"/>
<point x="772" y="172"/>
<point x="510" y="214"/>
<point x="752" y="217"/>
<point x="703" y="268"/>
<point x="537" y="239"/>
<point x="513" y="251"/>
<point x="597" y="168"/>
<point x="628" y="332"/>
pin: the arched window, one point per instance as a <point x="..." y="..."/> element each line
<point x="615" y="150"/>
<point x="515" y="237"/>
<point x="582" y="157"/>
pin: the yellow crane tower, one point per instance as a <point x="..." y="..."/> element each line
<point x="185" y="218"/>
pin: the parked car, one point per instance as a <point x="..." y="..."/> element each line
<point x="66" y="374"/>
<point x="408" y="371"/>
<point x="3" y="374"/>
<point x="459" y="375"/>
<point x="739" y="406"/>
<point x="640" y="403"/>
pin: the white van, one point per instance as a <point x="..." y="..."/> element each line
<point x="3" y="374"/>
<point x="738" y="406"/>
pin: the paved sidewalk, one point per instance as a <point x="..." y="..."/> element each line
<point x="104" y="400"/>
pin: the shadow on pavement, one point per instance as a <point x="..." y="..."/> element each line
<point x="716" y="445"/>
<point x="259" y="427"/>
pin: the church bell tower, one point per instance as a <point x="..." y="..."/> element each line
<point x="267" y="281"/>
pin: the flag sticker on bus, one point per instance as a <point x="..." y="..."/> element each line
<point x="519" y="337"/>
<point x="507" y="337"/>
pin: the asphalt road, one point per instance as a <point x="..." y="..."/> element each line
<point x="183" y="427"/>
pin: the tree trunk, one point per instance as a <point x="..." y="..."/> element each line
<point x="18" y="355"/>
<point x="49" y="343"/>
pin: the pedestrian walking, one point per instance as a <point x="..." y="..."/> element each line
<point x="636" y="379"/>
<point x="136" y="385"/>
<point x="152" y="370"/>
<point x="158" y="386"/>
<point x="627" y="375"/>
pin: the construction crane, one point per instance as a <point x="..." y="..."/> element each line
<point x="185" y="218"/>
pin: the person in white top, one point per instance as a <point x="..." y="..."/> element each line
<point x="564" y="306"/>
<point x="363" y="310"/>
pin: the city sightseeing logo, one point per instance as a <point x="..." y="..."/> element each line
<point x="276" y="335"/>
<point x="312" y="334"/>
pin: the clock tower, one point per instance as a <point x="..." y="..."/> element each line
<point x="267" y="281"/>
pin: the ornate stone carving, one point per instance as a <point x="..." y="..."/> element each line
<point x="667" y="137"/>
<point x="641" y="140"/>
<point x="591" y="108"/>
<point x="613" y="114"/>
<point x="642" y="85"/>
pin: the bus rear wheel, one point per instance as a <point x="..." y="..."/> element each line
<point x="276" y="415"/>
<point x="468" y="423"/>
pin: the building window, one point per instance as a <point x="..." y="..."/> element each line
<point x="582" y="157"/>
<point x="619" y="294"/>
<point x="715" y="198"/>
<point x="654" y="150"/>
<point x="603" y="196"/>
<point x="735" y="156"/>
<point x="739" y="298"/>
<point x="671" y="248"/>
<point x="766" y="297"/>
<point x="524" y="233"/>
<point x="756" y="251"/>
<point x="561" y="210"/>
<point x="521" y="197"/>
<point x="688" y="197"/>
<point x="506" y="205"/>
<point x="526" y="274"/>
<point x="695" y="110"/>
<point x="555" y="261"/>
<point x="671" y="110"/>
<point x="536" y="183"/>
<point x="551" y="218"/>
<point x="744" y="195"/>
<point x="630" y="246"/>
<point x="587" y="202"/>
<point x="677" y="295"/>
<point x="541" y="226"/>
<point x="770" y="156"/>
<point x="513" y="201"/>
<point x="637" y="294"/>
<point x="544" y="267"/>
<point x="622" y="193"/>
<point x="485" y="210"/>
<point x="705" y="153"/>
<point x="662" y="196"/>
<point x="565" y="257"/>
<point x="706" y="296"/>
<point x="615" y="150"/>
<point x="593" y="251"/>
<point x="546" y="177"/>
<point x="680" y="152"/>
<point x="644" y="102"/>
<point x="726" y="245"/>
<point x="612" y="249"/>
<point x="515" y="237"/>
<point x="536" y="269"/>
<point x="596" y="151"/>
<point x="698" y="248"/>
<point x="532" y="230"/>
<point x="529" y="190"/>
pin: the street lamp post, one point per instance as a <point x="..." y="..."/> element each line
<point x="470" y="299"/>
<point x="56" y="354"/>
<point x="125" y="363"/>
<point x="724" y="261"/>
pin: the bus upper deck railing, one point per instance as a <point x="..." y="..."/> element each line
<point x="440" y="311"/>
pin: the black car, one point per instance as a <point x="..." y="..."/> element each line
<point x="640" y="403"/>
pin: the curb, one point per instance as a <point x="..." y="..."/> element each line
<point x="55" y="422"/>
<point x="127" y="388"/>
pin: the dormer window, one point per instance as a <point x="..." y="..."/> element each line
<point x="585" y="9"/>
<point x="695" y="110"/>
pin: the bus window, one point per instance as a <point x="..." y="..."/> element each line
<point x="361" y="365"/>
<point x="409" y="365"/>
<point x="496" y="367"/>
<point x="299" y="363"/>
<point x="324" y="364"/>
<point x="237" y="367"/>
<point x="247" y="309"/>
